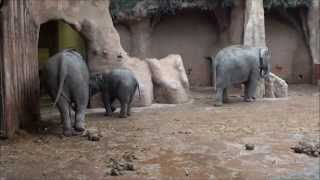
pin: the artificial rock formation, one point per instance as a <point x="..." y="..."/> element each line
<point x="276" y="87"/>
<point x="170" y="79"/>
<point x="93" y="21"/>
<point x="20" y="25"/>
<point x="255" y="36"/>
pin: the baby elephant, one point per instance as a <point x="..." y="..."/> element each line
<point x="118" y="84"/>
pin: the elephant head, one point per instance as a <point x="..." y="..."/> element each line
<point x="264" y="62"/>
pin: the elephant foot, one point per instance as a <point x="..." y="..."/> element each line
<point x="226" y="101"/>
<point x="107" y="114"/>
<point x="80" y="127"/>
<point x="122" y="116"/>
<point x="217" y="104"/>
<point x="67" y="132"/>
<point x="71" y="132"/>
<point x="248" y="100"/>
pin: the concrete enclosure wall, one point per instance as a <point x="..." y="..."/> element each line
<point x="194" y="34"/>
<point x="291" y="58"/>
<point x="191" y="33"/>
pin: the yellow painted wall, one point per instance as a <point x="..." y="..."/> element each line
<point x="66" y="38"/>
<point x="69" y="38"/>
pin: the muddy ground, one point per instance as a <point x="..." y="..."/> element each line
<point x="189" y="141"/>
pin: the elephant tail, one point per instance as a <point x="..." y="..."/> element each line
<point x="62" y="74"/>
<point x="213" y="70"/>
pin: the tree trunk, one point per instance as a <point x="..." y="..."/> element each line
<point x="19" y="67"/>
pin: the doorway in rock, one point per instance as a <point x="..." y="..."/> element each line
<point x="55" y="36"/>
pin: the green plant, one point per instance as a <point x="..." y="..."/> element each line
<point x="269" y="4"/>
<point x="161" y="7"/>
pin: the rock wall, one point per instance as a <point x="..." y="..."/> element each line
<point x="170" y="80"/>
<point x="191" y="33"/>
<point x="293" y="49"/>
<point x="313" y="26"/>
<point x="255" y="36"/>
<point x="102" y="39"/>
<point x="93" y="21"/>
<point x="291" y="58"/>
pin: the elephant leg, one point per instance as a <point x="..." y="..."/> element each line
<point x="123" y="110"/>
<point x="80" y="112"/>
<point x="129" y="105"/>
<point x="107" y="104"/>
<point x="225" y="95"/>
<point x="219" y="94"/>
<point x="252" y="86"/>
<point x="80" y="119"/>
<point x="64" y="109"/>
<point x="246" y="92"/>
<point x="112" y="99"/>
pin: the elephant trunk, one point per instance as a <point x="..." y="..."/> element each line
<point x="264" y="64"/>
<point x="265" y="71"/>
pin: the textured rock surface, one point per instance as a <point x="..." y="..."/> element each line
<point x="92" y="19"/>
<point x="278" y="86"/>
<point x="171" y="84"/>
<point x="314" y="37"/>
<point x="104" y="49"/>
<point x="255" y="36"/>
<point x="254" y="30"/>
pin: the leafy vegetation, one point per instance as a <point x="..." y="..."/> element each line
<point x="287" y="3"/>
<point x="161" y="7"/>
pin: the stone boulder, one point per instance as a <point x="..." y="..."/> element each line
<point x="169" y="77"/>
<point x="276" y="87"/>
<point x="272" y="87"/>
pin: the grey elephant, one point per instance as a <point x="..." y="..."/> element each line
<point x="120" y="84"/>
<point x="239" y="64"/>
<point x="66" y="78"/>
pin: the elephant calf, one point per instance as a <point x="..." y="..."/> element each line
<point x="66" y="78"/>
<point x="118" y="84"/>
<point x="239" y="64"/>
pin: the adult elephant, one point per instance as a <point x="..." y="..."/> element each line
<point x="66" y="78"/>
<point x="120" y="84"/>
<point x="239" y="64"/>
